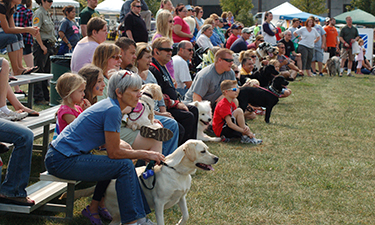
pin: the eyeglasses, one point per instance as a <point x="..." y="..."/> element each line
<point x="236" y="71"/>
<point x="116" y="57"/>
<point x="253" y="56"/>
<point x="261" y="40"/>
<point x="171" y="21"/>
<point x="281" y="47"/>
<point x="228" y="60"/>
<point x="138" y="6"/>
<point x="233" y="89"/>
<point x="201" y="12"/>
<point x="166" y="49"/>
<point x="216" y="19"/>
<point x="189" y="49"/>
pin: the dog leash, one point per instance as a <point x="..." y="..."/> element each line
<point x="265" y="89"/>
<point x="150" y="166"/>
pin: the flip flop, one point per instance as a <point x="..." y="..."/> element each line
<point x="12" y="78"/>
<point x="30" y="70"/>
<point x="32" y="113"/>
<point x="17" y="200"/>
<point x="20" y="92"/>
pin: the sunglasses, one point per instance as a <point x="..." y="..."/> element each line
<point x="189" y="49"/>
<point x="281" y="47"/>
<point x="166" y="49"/>
<point x="171" y="21"/>
<point x="236" y="71"/>
<point x="261" y="40"/>
<point x="138" y="6"/>
<point x="116" y="57"/>
<point x="228" y="60"/>
<point x="233" y="89"/>
<point x="253" y="56"/>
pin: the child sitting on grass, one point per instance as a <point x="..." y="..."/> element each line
<point x="229" y="121"/>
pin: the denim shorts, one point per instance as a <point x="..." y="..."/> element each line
<point x="12" y="42"/>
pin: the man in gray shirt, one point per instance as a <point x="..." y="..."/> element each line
<point x="145" y="13"/>
<point x="206" y="85"/>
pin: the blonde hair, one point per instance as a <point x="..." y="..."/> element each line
<point x="142" y="48"/>
<point x="221" y="53"/>
<point x="103" y="53"/>
<point x="209" y="20"/>
<point x="226" y="84"/>
<point x="162" y="24"/>
<point x="67" y="84"/>
<point x="246" y="54"/>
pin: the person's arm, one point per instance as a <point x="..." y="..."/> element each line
<point x="266" y="28"/>
<point x="84" y="30"/>
<point x="65" y="39"/>
<point x="177" y="29"/>
<point x="323" y="41"/>
<point x="9" y="27"/>
<point x="40" y="42"/>
<point x="118" y="149"/>
<point x="197" y="97"/>
<point x="144" y="5"/>
<point x="68" y="118"/>
<point x="129" y="34"/>
<point x="188" y="83"/>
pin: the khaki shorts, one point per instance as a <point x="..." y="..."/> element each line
<point x="345" y="53"/>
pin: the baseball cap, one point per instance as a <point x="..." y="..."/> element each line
<point x="327" y="19"/>
<point x="247" y="30"/>
<point x="221" y="20"/>
<point x="235" y="26"/>
<point x="188" y="7"/>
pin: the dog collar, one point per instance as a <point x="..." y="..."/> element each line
<point x="164" y="164"/>
<point x="268" y="90"/>
<point x="274" y="91"/>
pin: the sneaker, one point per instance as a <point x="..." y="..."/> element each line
<point x="224" y="139"/>
<point x="321" y="74"/>
<point x="247" y="140"/>
<point x="340" y="75"/>
<point x="350" y="75"/>
<point x="313" y="74"/>
<point x="145" y="221"/>
<point x="13" y="116"/>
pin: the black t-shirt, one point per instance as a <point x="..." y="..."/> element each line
<point x="289" y="47"/>
<point x="3" y="11"/>
<point x="137" y="26"/>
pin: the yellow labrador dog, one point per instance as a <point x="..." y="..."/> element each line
<point x="173" y="181"/>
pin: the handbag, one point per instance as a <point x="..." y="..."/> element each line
<point x="355" y="48"/>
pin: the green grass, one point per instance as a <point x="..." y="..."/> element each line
<point x="315" y="166"/>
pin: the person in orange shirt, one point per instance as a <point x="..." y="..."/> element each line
<point x="332" y="45"/>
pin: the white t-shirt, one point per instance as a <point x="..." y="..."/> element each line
<point x="181" y="71"/>
<point x="204" y="42"/>
<point x="307" y="37"/>
<point x="268" y="38"/>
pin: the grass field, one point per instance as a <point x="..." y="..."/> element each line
<point x="316" y="164"/>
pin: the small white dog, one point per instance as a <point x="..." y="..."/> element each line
<point x="205" y="118"/>
<point x="172" y="182"/>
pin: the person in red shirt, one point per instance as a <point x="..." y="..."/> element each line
<point x="332" y="44"/>
<point x="236" y="30"/>
<point x="229" y="120"/>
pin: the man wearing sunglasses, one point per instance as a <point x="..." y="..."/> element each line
<point x="187" y="116"/>
<point x="145" y="13"/>
<point x="135" y="27"/>
<point x="181" y="66"/>
<point x="206" y="85"/>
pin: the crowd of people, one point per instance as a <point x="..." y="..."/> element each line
<point x="106" y="79"/>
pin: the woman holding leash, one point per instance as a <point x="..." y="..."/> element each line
<point x="98" y="125"/>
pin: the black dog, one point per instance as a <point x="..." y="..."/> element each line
<point x="265" y="75"/>
<point x="261" y="97"/>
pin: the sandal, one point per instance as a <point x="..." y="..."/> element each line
<point x="103" y="212"/>
<point x="12" y="78"/>
<point x="159" y="134"/>
<point x="26" y="201"/>
<point x="94" y="221"/>
<point x="20" y="92"/>
<point x="30" y="70"/>
<point x="32" y="113"/>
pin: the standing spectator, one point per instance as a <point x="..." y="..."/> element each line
<point x="318" y="49"/>
<point x="205" y="84"/>
<point x="241" y="43"/>
<point x="294" y="27"/>
<point x="253" y="46"/>
<point x="360" y="57"/>
<point x="144" y="12"/>
<point x="290" y="51"/>
<point x="256" y="29"/>
<point x="164" y="5"/>
<point x="269" y="30"/>
<point x="198" y="17"/>
<point x="236" y="30"/>
<point x="85" y="48"/>
<point x="204" y="39"/>
<point x="43" y="48"/>
<point x="181" y="30"/>
<point x="135" y="27"/>
<point x="189" y="19"/>
<point x="68" y="31"/>
<point x="348" y="35"/>
<point x="332" y="44"/>
<point x="308" y="37"/>
<point x="86" y="14"/>
<point x="23" y="17"/>
<point x="181" y="64"/>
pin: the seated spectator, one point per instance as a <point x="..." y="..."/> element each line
<point x="190" y="20"/>
<point x="226" y="24"/>
<point x="128" y="57"/>
<point x="287" y="69"/>
<point x="84" y="51"/>
<point x="236" y="30"/>
<point x="13" y="189"/>
<point x="181" y="30"/>
<point x="286" y="91"/>
<point x="251" y="55"/>
<point x="204" y="39"/>
<point x="205" y="84"/>
<point x="209" y="57"/>
<point x="253" y="46"/>
<point x="241" y="43"/>
<point x="229" y="121"/>
<point x="247" y="66"/>
<point x="290" y="51"/>
<point x="198" y="17"/>
<point x="217" y="37"/>
<point x="187" y="116"/>
<point x="181" y="64"/>
<point x="366" y="67"/>
<point x="280" y="30"/>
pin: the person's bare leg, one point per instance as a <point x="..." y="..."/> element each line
<point x="4" y="82"/>
<point x="29" y="60"/>
<point x="240" y="119"/>
<point x="320" y="67"/>
<point x="147" y="144"/>
<point x="313" y="66"/>
<point x="18" y="106"/>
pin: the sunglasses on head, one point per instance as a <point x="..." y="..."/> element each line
<point x="166" y="49"/>
<point x="233" y="89"/>
<point x="126" y="73"/>
<point x="116" y="57"/>
<point x="49" y="1"/>
<point x="228" y="60"/>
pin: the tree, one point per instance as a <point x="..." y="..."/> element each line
<point x="316" y="7"/>
<point x="235" y="6"/>
<point x="365" y="5"/>
<point x="153" y="5"/>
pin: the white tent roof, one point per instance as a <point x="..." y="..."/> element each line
<point x="60" y="3"/>
<point x="110" y="7"/>
<point x="285" y="9"/>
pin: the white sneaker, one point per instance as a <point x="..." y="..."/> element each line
<point x="13" y="116"/>
<point x="247" y="140"/>
<point x="145" y="221"/>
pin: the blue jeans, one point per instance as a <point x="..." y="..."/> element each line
<point x="170" y="145"/>
<point x="12" y="42"/>
<point x="88" y="167"/>
<point x="19" y="165"/>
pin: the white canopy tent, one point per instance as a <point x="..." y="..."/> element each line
<point x="110" y="7"/>
<point x="60" y="3"/>
<point x="284" y="9"/>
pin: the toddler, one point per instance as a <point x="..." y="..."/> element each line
<point x="229" y="121"/>
<point x="359" y="58"/>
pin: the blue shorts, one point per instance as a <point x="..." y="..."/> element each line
<point x="28" y="49"/>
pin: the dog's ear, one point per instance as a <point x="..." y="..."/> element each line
<point x="157" y="93"/>
<point x="189" y="149"/>
<point x="175" y="158"/>
<point x="196" y="103"/>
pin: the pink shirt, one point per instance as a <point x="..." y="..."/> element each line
<point x="185" y="28"/>
<point x="64" y="109"/>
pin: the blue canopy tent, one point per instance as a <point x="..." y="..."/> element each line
<point x="302" y="16"/>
